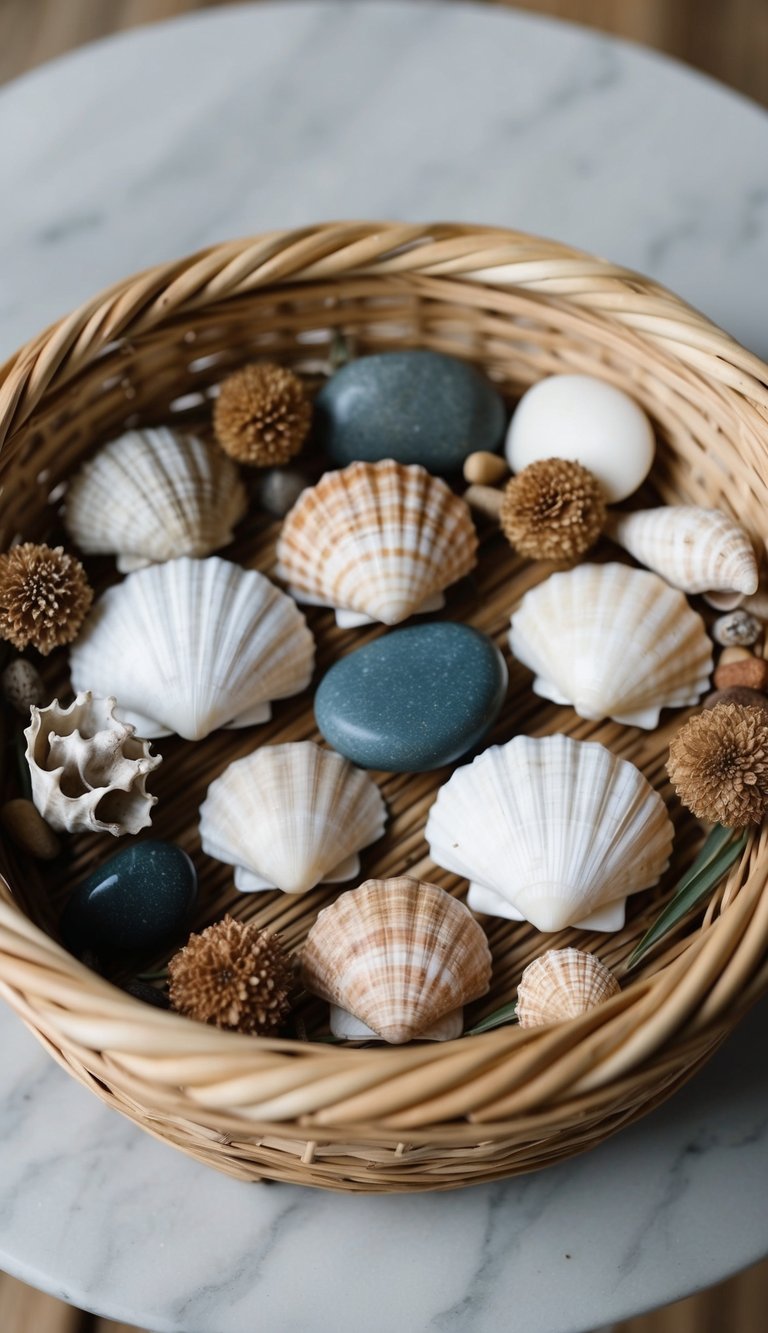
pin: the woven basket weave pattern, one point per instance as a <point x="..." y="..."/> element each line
<point x="423" y="1116"/>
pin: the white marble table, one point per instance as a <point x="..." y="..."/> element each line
<point x="163" y="140"/>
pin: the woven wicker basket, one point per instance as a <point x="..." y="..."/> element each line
<point x="431" y="1116"/>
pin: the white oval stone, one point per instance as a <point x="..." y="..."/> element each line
<point x="585" y="419"/>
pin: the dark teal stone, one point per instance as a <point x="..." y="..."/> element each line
<point x="141" y="898"/>
<point x="413" y="700"/>
<point x="414" y="406"/>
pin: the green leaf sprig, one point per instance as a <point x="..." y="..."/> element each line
<point x="721" y="848"/>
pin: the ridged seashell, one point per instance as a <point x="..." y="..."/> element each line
<point x="562" y="984"/>
<point x="152" y="495"/>
<point x="613" y="642"/>
<point x="89" y="771"/>
<point x="698" y="550"/>
<point x="288" y="816"/>
<point x="553" y="831"/>
<point x="376" y="541"/>
<point x="193" y="645"/>
<point x="400" y="956"/>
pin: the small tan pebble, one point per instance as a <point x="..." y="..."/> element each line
<point x="737" y="628"/>
<point x="753" y="674"/>
<point x="485" y="500"/>
<point x="485" y="469"/>
<point x="729" y="655"/>
<point x="738" y="695"/>
<point x="26" y="827"/>
<point x="22" y="685"/>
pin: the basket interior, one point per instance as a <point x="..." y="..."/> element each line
<point x="707" y="455"/>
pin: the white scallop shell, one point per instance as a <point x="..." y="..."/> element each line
<point x="288" y="816"/>
<point x="613" y="642"/>
<point x="376" y="541"/>
<point x="562" y="984"/>
<point x="400" y="958"/>
<point x="89" y="771"/>
<point x="192" y="645"/>
<point x="152" y="495"/>
<point x="698" y="550"/>
<point x="553" y="831"/>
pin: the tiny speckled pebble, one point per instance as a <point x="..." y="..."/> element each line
<point x="23" y="685"/>
<point x="139" y="899"/>
<point x="729" y="655"/>
<point x="24" y="824"/>
<point x="753" y="674"/>
<point x="738" y="695"/>
<point x="280" y="488"/>
<point x="413" y="700"/>
<point x="415" y="406"/>
<point x="737" y="628"/>
<point x="485" y="469"/>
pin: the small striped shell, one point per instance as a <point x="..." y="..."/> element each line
<point x="288" y="816"/>
<point x="192" y="645"/>
<point x="613" y="642"/>
<point x="697" y="550"/>
<point x="399" y="956"/>
<point x="562" y="984"/>
<point x="153" y="495"/>
<point x="376" y="541"/>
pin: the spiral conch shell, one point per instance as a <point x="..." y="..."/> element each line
<point x="192" y="645"/>
<point x="613" y="642"/>
<point x="562" y="984"/>
<point x="397" y="959"/>
<point x="153" y="495"/>
<point x="553" y="831"/>
<point x="697" y="550"/>
<point x="288" y="816"/>
<point x="376" y="541"/>
<point x="89" y="771"/>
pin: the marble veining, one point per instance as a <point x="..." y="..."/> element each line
<point x="171" y="137"/>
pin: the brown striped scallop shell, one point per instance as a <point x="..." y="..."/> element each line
<point x="562" y="984"/>
<point x="399" y="955"/>
<point x="376" y="541"/>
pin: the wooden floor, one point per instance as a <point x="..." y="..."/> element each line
<point x="725" y="38"/>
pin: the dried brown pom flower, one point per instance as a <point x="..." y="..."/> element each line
<point x="44" y="595"/>
<point x="718" y="764"/>
<point x="233" y="975"/>
<point x="553" y="510"/>
<point x="262" y="415"/>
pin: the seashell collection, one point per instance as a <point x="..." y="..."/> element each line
<point x="555" y="833"/>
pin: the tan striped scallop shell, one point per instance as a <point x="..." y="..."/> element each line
<point x="376" y="541"/>
<point x="288" y="816"/>
<point x="562" y="984"/>
<point x="153" y="495"/>
<point x="399" y="956"/>
<point x="612" y="642"/>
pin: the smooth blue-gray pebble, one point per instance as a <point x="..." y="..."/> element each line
<point x="140" y="898"/>
<point x="414" y="406"/>
<point x="413" y="700"/>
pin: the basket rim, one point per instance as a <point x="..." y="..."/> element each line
<point x="691" y="990"/>
<point x="493" y="256"/>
